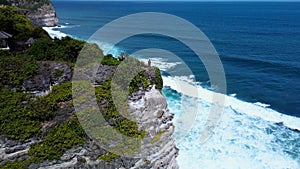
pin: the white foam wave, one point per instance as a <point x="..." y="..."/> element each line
<point x="63" y="26"/>
<point x="233" y="95"/>
<point x="54" y="33"/>
<point x="251" y="109"/>
<point x="240" y="142"/>
<point x="246" y="137"/>
<point x="66" y="26"/>
<point x="108" y="48"/>
<point x="262" y="104"/>
<point x="160" y="63"/>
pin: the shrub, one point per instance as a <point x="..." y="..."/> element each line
<point x="157" y="137"/>
<point x="158" y="81"/>
<point x="110" y="60"/>
<point x="21" y="122"/>
<point x="14" y="121"/>
<point x="107" y="157"/>
<point x="66" y="49"/>
<point x="110" y="113"/>
<point x="58" y="140"/>
<point x="44" y="108"/>
<point x="14" y="69"/>
<point x="19" y="26"/>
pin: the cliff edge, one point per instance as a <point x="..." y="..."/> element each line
<point x="147" y="105"/>
<point x="40" y="12"/>
<point x="38" y="124"/>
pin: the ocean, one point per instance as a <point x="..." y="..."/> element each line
<point x="259" y="46"/>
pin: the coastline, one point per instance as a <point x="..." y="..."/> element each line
<point x="250" y="134"/>
<point x="257" y="111"/>
<point x="148" y="104"/>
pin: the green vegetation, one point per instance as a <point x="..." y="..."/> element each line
<point x="107" y="157"/>
<point x="89" y="55"/>
<point x="158" y="81"/>
<point x="44" y="108"/>
<point x="19" y="26"/>
<point x="58" y="73"/>
<point x="58" y="141"/>
<point x="14" y="121"/>
<point x="14" y="69"/>
<point x="33" y="5"/>
<point x="110" y="113"/>
<point x="110" y="60"/>
<point x="21" y="117"/>
<point x="17" y="164"/>
<point x="138" y="81"/>
<point x="65" y="49"/>
<point x="21" y="121"/>
<point x="157" y="137"/>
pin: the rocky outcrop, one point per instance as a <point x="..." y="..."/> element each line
<point x="49" y="73"/>
<point x="40" y="12"/>
<point x="44" y="16"/>
<point x="11" y="150"/>
<point x="86" y="156"/>
<point x="148" y="107"/>
<point x="151" y="111"/>
<point x="159" y="148"/>
<point x="103" y="73"/>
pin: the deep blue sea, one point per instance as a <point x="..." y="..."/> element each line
<point x="259" y="46"/>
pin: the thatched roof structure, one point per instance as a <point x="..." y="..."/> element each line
<point x="29" y="41"/>
<point x="4" y="35"/>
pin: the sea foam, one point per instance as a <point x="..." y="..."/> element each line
<point x="253" y="109"/>
<point x="54" y="33"/>
<point x="249" y="135"/>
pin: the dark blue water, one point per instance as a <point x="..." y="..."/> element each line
<point x="258" y="42"/>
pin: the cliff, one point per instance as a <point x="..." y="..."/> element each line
<point x="151" y="109"/>
<point x="40" y="12"/>
<point x="38" y="124"/>
<point x="44" y="16"/>
<point x="148" y="105"/>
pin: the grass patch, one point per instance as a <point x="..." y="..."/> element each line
<point x="58" y="140"/>
<point x="157" y="137"/>
<point x="14" y="69"/>
<point x="107" y="157"/>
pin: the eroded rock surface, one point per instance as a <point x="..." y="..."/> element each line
<point x="40" y="12"/>
<point x="148" y="107"/>
<point x="49" y="73"/>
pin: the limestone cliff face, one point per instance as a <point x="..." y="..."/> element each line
<point x="148" y="107"/>
<point x="40" y="12"/>
<point x="44" y="16"/>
